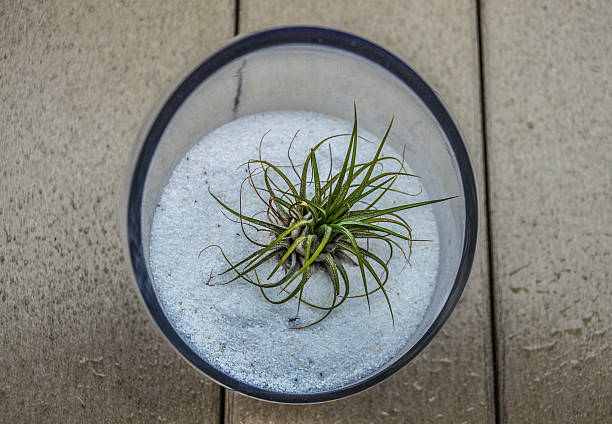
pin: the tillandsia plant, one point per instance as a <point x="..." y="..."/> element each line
<point x="320" y="222"/>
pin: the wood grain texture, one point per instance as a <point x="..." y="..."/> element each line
<point x="76" y="80"/>
<point x="549" y="129"/>
<point x="451" y="380"/>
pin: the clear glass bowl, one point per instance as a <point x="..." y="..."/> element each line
<point x="319" y="70"/>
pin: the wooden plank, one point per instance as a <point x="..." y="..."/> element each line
<point x="439" y="39"/>
<point x="548" y="102"/>
<point x="76" y="81"/>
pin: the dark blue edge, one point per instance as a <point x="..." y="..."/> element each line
<point x="274" y="37"/>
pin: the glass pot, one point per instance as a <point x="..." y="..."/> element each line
<point x="319" y="70"/>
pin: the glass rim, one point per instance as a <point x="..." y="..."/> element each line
<point x="157" y="122"/>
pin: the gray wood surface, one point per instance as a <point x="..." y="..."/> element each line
<point x="451" y="380"/>
<point x="549" y="132"/>
<point x="76" y="81"/>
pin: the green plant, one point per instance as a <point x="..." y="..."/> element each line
<point x="322" y="225"/>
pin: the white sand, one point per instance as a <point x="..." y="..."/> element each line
<point x="232" y="326"/>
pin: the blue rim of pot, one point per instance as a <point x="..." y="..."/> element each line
<point x="274" y="37"/>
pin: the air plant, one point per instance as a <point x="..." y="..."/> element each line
<point x="320" y="222"/>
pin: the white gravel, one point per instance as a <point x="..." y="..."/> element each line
<point x="232" y="326"/>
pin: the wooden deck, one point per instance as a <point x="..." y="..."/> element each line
<point x="529" y="84"/>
